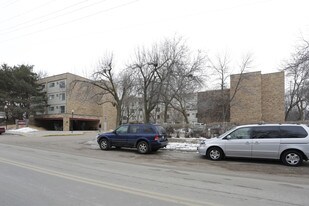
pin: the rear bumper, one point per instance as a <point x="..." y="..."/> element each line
<point x="157" y="144"/>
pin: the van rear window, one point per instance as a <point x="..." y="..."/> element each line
<point x="293" y="132"/>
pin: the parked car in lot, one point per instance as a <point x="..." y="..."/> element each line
<point x="286" y="142"/>
<point x="2" y="130"/>
<point x="145" y="137"/>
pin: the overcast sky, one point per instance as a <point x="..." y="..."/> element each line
<point x="60" y="36"/>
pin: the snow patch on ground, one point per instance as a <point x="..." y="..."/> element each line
<point x="23" y="130"/>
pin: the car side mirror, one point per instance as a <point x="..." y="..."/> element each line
<point x="228" y="137"/>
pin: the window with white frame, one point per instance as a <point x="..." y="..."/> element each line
<point x="62" y="109"/>
<point x="51" y="96"/>
<point x="62" y="96"/>
<point x="62" y="84"/>
<point x="52" y="84"/>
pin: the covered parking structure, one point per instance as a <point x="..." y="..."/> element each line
<point x="67" y="123"/>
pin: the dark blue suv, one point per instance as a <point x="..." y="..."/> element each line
<point x="145" y="137"/>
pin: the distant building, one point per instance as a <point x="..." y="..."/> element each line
<point x="133" y="112"/>
<point x="69" y="109"/>
<point x="252" y="98"/>
<point x="213" y="106"/>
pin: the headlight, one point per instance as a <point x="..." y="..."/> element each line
<point x="203" y="142"/>
<point x="98" y="135"/>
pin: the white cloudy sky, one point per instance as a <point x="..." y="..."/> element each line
<point x="60" y="36"/>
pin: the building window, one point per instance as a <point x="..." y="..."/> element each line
<point x="62" y="109"/>
<point x="51" y="109"/>
<point x="62" y="84"/>
<point x="52" y="84"/>
<point x="51" y="97"/>
<point x="62" y="96"/>
<point x="158" y="116"/>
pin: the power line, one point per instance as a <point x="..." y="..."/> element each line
<point x="74" y="20"/>
<point x="9" y="4"/>
<point x="40" y="17"/>
<point x="26" y="12"/>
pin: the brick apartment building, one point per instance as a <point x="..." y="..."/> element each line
<point x="252" y="98"/>
<point x="68" y="109"/>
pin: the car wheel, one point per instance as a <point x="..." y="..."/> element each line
<point x="292" y="158"/>
<point x="215" y="153"/>
<point x="104" y="144"/>
<point x="142" y="147"/>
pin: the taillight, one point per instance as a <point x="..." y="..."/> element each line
<point x="156" y="137"/>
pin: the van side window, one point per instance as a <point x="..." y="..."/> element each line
<point x="293" y="132"/>
<point x="242" y="133"/>
<point x="266" y="132"/>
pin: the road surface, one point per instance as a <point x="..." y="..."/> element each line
<point x="54" y="170"/>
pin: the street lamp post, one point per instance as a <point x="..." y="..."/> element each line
<point x="6" y="116"/>
<point x="72" y="119"/>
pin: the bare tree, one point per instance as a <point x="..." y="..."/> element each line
<point x="298" y="74"/>
<point x="147" y="63"/>
<point x="189" y="78"/>
<point x="165" y="71"/>
<point x="221" y="70"/>
<point x="107" y="86"/>
<point x="182" y="71"/>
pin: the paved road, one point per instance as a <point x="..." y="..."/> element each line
<point x="55" y="170"/>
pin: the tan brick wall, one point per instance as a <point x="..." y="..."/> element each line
<point x="79" y="97"/>
<point x="246" y="106"/>
<point x="260" y="98"/>
<point x="273" y="97"/>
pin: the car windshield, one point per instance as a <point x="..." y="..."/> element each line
<point x="227" y="132"/>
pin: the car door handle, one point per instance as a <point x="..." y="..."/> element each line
<point x="256" y="142"/>
<point x="247" y="142"/>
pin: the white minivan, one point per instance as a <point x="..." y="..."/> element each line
<point x="286" y="142"/>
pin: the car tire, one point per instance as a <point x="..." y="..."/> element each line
<point x="143" y="147"/>
<point x="215" y="153"/>
<point x="292" y="158"/>
<point x="104" y="144"/>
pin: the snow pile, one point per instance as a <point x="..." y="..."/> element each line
<point x="183" y="146"/>
<point x="23" y="130"/>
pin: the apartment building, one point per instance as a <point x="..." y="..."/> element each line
<point x="70" y="105"/>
